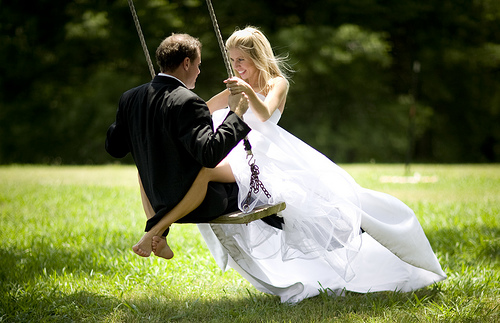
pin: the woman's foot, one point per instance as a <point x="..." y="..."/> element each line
<point x="144" y="247"/>
<point x="161" y="248"/>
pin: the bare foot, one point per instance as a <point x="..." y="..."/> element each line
<point x="144" y="247"/>
<point x="161" y="248"/>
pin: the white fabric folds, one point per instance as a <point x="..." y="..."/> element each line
<point x="321" y="246"/>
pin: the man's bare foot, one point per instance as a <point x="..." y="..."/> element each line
<point x="144" y="247"/>
<point x="161" y="248"/>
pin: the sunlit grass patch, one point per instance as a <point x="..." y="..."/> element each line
<point x="66" y="235"/>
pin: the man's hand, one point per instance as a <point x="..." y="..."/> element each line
<point x="238" y="103"/>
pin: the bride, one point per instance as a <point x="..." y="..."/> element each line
<point x="333" y="235"/>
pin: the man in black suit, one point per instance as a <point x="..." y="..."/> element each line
<point x="169" y="132"/>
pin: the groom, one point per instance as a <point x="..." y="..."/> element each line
<point x="169" y="132"/>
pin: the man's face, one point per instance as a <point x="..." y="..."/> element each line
<point x="193" y="71"/>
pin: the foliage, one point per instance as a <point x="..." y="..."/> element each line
<point x="67" y="233"/>
<point x="65" y="63"/>
<point x="334" y="104"/>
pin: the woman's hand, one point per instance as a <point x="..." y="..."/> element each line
<point x="237" y="86"/>
<point x="275" y="97"/>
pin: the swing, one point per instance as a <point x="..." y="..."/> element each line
<point x="245" y="216"/>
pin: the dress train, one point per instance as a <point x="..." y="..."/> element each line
<point x="321" y="246"/>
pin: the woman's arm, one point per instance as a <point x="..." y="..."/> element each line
<point x="275" y="99"/>
<point x="218" y="101"/>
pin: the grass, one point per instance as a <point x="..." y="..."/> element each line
<point x="65" y="254"/>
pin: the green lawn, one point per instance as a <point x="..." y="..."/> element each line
<point x="65" y="254"/>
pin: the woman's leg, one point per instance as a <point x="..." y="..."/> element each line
<point x="146" y="205"/>
<point x="193" y="198"/>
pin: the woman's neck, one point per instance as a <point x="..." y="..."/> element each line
<point x="257" y="88"/>
<point x="254" y="83"/>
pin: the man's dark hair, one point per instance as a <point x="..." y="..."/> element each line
<point x="174" y="49"/>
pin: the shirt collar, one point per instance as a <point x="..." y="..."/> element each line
<point x="168" y="75"/>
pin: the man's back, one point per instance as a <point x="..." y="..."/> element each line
<point x="168" y="130"/>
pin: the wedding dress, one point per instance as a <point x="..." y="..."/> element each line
<point x="321" y="246"/>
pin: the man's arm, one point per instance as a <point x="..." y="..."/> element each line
<point x="117" y="138"/>
<point x="197" y="135"/>
<point x="117" y="142"/>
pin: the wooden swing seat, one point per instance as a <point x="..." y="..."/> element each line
<point x="258" y="213"/>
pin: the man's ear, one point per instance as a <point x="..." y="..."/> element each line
<point x="186" y="63"/>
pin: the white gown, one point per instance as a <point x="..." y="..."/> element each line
<point x="321" y="246"/>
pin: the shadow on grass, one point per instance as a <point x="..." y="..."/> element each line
<point x="262" y="308"/>
<point x="20" y="302"/>
<point x="53" y="305"/>
<point x="478" y="244"/>
<point x="25" y="297"/>
<point x="43" y="258"/>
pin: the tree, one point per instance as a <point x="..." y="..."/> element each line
<point x="65" y="63"/>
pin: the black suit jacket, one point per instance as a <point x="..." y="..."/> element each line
<point x="169" y="132"/>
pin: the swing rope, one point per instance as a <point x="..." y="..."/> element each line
<point x="255" y="183"/>
<point x="219" y="39"/>
<point x="141" y="37"/>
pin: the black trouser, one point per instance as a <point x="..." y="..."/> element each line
<point x="221" y="198"/>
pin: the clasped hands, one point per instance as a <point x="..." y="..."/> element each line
<point x="238" y="100"/>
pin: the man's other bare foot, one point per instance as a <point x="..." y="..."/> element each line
<point x="144" y="247"/>
<point x="161" y="248"/>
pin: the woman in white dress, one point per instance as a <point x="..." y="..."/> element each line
<point x="335" y="235"/>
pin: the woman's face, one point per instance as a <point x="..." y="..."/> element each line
<point x="243" y="65"/>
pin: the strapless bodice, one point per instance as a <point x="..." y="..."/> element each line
<point x="254" y="122"/>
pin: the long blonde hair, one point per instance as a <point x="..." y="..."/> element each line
<point x="252" y="42"/>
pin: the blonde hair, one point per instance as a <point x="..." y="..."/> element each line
<point x="253" y="43"/>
